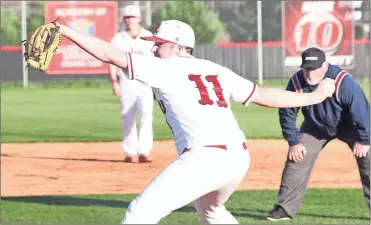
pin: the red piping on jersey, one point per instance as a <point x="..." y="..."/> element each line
<point x="296" y="83"/>
<point x="338" y="80"/>
<point x="131" y="67"/>
<point x="248" y="98"/>
<point x="224" y="147"/>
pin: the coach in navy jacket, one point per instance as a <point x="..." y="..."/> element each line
<point x="345" y="116"/>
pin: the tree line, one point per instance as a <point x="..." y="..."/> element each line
<point x="234" y="21"/>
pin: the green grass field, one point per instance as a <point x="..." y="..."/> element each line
<point x="48" y="114"/>
<point x="74" y="112"/>
<point x="325" y="206"/>
<point x="87" y="111"/>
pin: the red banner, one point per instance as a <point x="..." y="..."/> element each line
<point x="327" y="25"/>
<point x="96" y="18"/>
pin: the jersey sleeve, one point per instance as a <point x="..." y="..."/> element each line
<point x="120" y="43"/>
<point x="116" y="40"/>
<point x="149" y="70"/>
<point x="242" y="90"/>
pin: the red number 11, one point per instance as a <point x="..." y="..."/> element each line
<point x="205" y="98"/>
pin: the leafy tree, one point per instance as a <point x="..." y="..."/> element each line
<point x="11" y="24"/>
<point x="271" y="21"/>
<point x="10" y="31"/>
<point x="34" y="20"/>
<point x="205" y="23"/>
<point x="240" y="20"/>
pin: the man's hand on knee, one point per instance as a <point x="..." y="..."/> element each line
<point x="297" y="152"/>
<point x="360" y="150"/>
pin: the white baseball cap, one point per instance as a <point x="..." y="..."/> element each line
<point x="131" y="10"/>
<point x="174" y="31"/>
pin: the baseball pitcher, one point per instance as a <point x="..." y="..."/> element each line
<point x="195" y="96"/>
<point x="133" y="94"/>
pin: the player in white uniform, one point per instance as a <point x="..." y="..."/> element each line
<point x="195" y="96"/>
<point x="134" y="94"/>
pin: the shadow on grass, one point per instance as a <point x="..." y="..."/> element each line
<point x="52" y="137"/>
<point x="38" y="134"/>
<point x="78" y="201"/>
<point x="247" y="213"/>
<point x="68" y="159"/>
<point x="81" y="201"/>
<point x="68" y="201"/>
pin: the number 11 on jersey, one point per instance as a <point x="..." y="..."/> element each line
<point x="205" y="98"/>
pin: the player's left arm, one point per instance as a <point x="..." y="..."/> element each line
<point x="245" y="92"/>
<point x="351" y="95"/>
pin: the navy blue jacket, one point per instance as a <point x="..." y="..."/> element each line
<point x="348" y="108"/>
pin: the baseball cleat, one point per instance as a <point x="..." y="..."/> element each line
<point x="278" y="214"/>
<point x="144" y="159"/>
<point x="129" y="159"/>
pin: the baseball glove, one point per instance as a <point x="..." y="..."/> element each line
<point x="44" y="42"/>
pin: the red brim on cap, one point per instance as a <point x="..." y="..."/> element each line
<point x="155" y="39"/>
<point x="131" y="16"/>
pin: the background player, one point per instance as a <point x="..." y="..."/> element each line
<point x="344" y="116"/>
<point x="134" y="95"/>
<point x="195" y="97"/>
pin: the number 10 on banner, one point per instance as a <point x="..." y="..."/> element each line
<point x="322" y="30"/>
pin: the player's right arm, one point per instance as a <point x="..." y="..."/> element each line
<point x="112" y="68"/>
<point x="115" y="85"/>
<point x="147" y="69"/>
<point x="96" y="47"/>
<point x="113" y="74"/>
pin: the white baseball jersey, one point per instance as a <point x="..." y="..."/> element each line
<point x="128" y="44"/>
<point x="195" y="96"/>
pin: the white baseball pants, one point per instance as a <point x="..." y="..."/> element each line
<point x="207" y="176"/>
<point x="136" y="96"/>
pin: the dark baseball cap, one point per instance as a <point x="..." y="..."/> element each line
<point x="312" y="58"/>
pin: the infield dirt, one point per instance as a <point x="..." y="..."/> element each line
<point x="98" y="168"/>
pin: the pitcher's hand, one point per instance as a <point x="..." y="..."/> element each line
<point x="325" y="88"/>
<point x="360" y="150"/>
<point x="297" y="152"/>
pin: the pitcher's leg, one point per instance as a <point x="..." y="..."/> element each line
<point x="190" y="176"/>
<point x="213" y="211"/>
<point x="211" y="207"/>
<point x="161" y="196"/>
<point x="145" y="106"/>
<point x="128" y="116"/>
<point x="296" y="175"/>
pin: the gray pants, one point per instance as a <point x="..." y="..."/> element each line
<point x="295" y="176"/>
